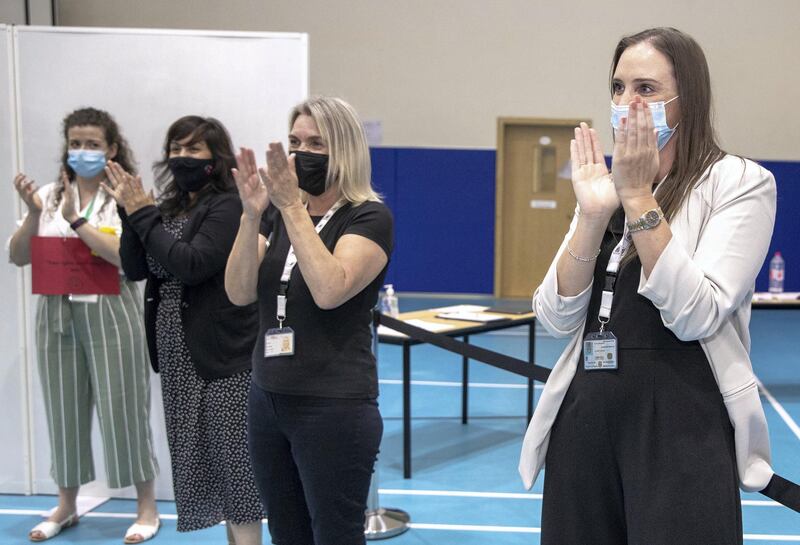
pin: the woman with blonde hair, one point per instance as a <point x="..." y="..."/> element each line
<point x="313" y="246"/>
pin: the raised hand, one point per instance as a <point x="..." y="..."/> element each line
<point x="635" y="162"/>
<point x="26" y="188"/>
<point x="594" y="190"/>
<point x="252" y="190"/>
<point x="280" y="177"/>
<point x="69" y="209"/>
<point x="126" y="189"/>
<point x="116" y="176"/>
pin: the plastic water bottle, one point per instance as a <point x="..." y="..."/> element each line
<point x="389" y="304"/>
<point x="776" y="268"/>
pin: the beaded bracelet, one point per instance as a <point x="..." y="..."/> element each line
<point x="580" y="258"/>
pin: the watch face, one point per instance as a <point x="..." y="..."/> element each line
<point x="652" y="218"/>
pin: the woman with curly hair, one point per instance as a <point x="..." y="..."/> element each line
<point x="90" y="348"/>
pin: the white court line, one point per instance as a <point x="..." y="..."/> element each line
<point x="414" y="525"/>
<point x="475" y="528"/>
<point x="779" y="409"/>
<point x="534" y="530"/>
<point x="459" y="494"/>
<point x="514" y="495"/>
<point x="761" y="503"/>
<point x="453" y="384"/>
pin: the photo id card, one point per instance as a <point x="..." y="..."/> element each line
<point x="600" y="351"/>
<point x="279" y="342"/>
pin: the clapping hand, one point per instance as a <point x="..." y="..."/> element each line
<point x="594" y="190"/>
<point x="26" y="188"/>
<point x="252" y="187"/>
<point x="635" y="163"/>
<point x="126" y="189"/>
<point x="281" y="177"/>
<point x="69" y="208"/>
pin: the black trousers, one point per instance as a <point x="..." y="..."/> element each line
<point x="313" y="459"/>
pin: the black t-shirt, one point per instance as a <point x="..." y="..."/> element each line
<point x="333" y="348"/>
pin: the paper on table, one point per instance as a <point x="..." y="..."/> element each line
<point x="785" y="296"/>
<point x="430" y="326"/>
<point x="461" y="308"/>
<point x="471" y="316"/>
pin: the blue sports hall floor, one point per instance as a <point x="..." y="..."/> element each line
<point x="465" y="488"/>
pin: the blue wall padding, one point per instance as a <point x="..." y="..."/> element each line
<point x="443" y="205"/>
<point x="786" y="238"/>
<point x="383" y="179"/>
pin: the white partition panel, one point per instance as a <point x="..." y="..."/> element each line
<point x="14" y="448"/>
<point x="146" y="79"/>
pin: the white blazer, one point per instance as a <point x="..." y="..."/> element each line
<point x="702" y="285"/>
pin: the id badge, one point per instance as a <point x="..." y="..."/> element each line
<point x="600" y="351"/>
<point x="77" y="298"/>
<point x="279" y="342"/>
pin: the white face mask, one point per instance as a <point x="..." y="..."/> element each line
<point x="659" y="111"/>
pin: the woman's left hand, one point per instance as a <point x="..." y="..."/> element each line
<point x="69" y="210"/>
<point x="635" y="161"/>
<point x="280" y="178"/>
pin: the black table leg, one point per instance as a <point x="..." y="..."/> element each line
<point x="406" y="411"/>
<point x="531" y="360"/>
<point x="464" y="384"/>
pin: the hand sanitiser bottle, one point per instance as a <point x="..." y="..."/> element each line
<point x="389" y="304"/>
<point x="776" y="268"/>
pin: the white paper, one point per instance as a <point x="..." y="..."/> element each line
<point x="429" y="326"/>
<point x="461" y="308"/>
<point x="785" y="296"/>
<point x="471" y="316"/>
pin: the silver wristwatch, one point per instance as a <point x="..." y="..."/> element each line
<point x="648" y="220"/>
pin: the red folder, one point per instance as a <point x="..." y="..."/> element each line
<point x="61" y="266"/>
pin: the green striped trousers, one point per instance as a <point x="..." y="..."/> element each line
<point x="94" y="354"/>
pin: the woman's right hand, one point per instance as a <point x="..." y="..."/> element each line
<point x="594" y="189"/>
<point x="27" y="192"/>
<point x="252" y="190"/>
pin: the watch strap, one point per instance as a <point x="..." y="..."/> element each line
<point x="649" y="220"/>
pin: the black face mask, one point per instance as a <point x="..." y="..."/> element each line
<point x="312" y="171"/>
<point x="189" y="173"/>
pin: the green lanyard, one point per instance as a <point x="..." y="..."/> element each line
<point x="91" y="206"/>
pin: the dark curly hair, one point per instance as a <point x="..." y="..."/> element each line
<point x="95" y="118"/>
<point x="174" y="200"/>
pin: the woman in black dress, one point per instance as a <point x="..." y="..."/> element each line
<point x="653" y="284"/>
<point x="199" y="342"/>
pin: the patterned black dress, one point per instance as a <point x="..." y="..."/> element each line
<point x="206" y="421"/>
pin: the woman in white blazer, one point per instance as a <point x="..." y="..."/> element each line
<point x="651" y="417"/>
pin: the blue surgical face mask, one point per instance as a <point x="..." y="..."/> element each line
<point x="86" y="163"/>
<point x="659" y="111"/>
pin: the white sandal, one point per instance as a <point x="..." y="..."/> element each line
<point x="147" y="531"/>
<point x="49" y="528"/>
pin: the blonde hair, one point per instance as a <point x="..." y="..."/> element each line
<point x="340" y="127"/>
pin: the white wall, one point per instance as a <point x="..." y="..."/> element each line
<point x="145" y="79"/>
<point x="14" y="373"/>
<point x="439" y="72"/>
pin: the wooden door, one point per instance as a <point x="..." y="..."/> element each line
<point x="534" y="200"/>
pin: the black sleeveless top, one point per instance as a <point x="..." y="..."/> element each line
<point x="634" y="319"/>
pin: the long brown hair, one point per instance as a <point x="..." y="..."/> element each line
<point x="696" y="147"/>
